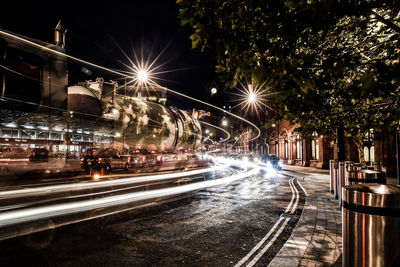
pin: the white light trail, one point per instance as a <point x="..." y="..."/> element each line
<point x="219" y="128"/>
<point x="100" y="184"/>
<point x="36" y="213"/>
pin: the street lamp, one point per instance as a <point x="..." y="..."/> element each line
<point x="213" y="91"/>
<point x="224" y="122"/>
<point x="207" y="131"/>
<point x="252" y="97"/>
<point x="142" y="76"/>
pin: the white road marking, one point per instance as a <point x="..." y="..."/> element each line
<point x="292" y="208"/>
<point x="262" y="241"/>
<point x="262" y="252"/>
<point x="305" y="192"/>
<point x="293" y="196"/>
<point x="297" y="198"/>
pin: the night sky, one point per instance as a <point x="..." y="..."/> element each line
<point x="95" y="27"/>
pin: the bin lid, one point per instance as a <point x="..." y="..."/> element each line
<point x="372" y="195"/>
<point x="367" y="174"/>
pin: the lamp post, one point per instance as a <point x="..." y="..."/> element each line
<point x="251" y="100"/>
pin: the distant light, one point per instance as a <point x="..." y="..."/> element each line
<point x="96" y="176"/>
<point x="207" y="131"/>
<point x="11" y="125"/>
<point x="117" y="135"/>
<point x="372" y="16"/>
<point x="115" y="111"/>
<point x="224" y="123"/>
<point x="213" y="91"/>
<point x="273" y="125"/>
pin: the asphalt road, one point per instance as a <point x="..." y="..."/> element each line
<point x="218" y="226"/>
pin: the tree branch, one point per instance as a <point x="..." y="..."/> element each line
<point x="386" y="22"/>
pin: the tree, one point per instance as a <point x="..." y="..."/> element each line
<point x="324" y="63"/>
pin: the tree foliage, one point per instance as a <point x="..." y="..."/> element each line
<point x="323" y="63"/>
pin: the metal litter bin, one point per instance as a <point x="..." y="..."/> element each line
<point x="354" y="166"/>
<point x="371" y="225"/>
<point x="367" y="176"/>
<point x="377" y="166"/>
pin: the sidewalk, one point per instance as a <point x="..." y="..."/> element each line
<point x="317" y="238"/>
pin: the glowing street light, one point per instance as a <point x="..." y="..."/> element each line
<point x="252" y="97"/>
<point x="213" y="91"/>
<point x="207" y="131"/>
<point x="224" y="123"/>
<point x="142" y="76"/>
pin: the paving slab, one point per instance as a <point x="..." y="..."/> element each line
<point x="317" y="238"/>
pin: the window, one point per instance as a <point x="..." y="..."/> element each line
<point x="286" y="147"/>
<point x="314" y="147"/>
<point x="299" y="150"/>
<point x="42" y="135"/>
<point x="6" y="133"/>
<point x="369" y="149"/>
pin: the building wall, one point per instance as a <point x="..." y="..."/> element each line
<point x="384" y="148"/>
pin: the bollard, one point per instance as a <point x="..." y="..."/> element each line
<point x="348" y="165"/>
<point x="331" y="175"/>
<point x="335" y="179"/>
<point x="371" y="225"/>
<point x="367" y="176"/>
<point x="341" y="173"/>
<point x="349" y="168"/>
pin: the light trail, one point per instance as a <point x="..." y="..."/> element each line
<point x="100" y="184"/>
<point x="218" y="108"/>
<point x="37" y="213"/>
<point x="58" y="52"/>
<point x="128" y="76"/>
<point x="219" y="128"/>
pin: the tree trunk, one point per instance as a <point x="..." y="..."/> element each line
<point x="360" y="148"/>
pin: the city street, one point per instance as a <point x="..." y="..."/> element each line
<point x="200" y="133"/>
<point x="241" y="223"/>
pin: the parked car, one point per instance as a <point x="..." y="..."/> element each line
<point x="105" y="160"/>
<point x="20" y="156"/>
